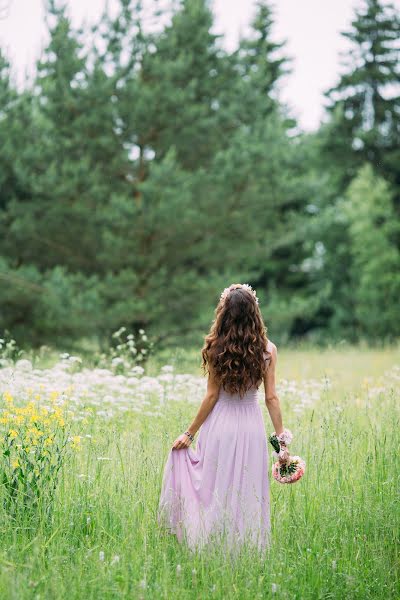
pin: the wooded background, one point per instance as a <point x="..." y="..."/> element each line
<point x="144" y="171"/>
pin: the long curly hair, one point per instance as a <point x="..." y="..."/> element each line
<point x="235" y="345"/>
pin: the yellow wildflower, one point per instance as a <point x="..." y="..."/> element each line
<point x="35" y="432"/>
<point x="15" y="463"/>
<point x="8" y="397"/>
<point x="30" y="408"/>
<point x="56" y="414"/>
<point x="75" y="442"/>
<point x="13" y="433"/>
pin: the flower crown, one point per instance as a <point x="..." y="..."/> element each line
<point x="234" y="286"/>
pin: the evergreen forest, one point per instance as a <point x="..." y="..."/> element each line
<point x="144" y="168"/>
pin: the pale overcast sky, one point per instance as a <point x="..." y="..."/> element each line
<point x="311" y="28"/>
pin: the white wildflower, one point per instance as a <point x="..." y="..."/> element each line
<point x="117" y="361"/>
<point x="76" y="359"/>
<point x="119" y="332"/>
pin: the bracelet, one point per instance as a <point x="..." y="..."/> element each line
<point x="189" y="436"/>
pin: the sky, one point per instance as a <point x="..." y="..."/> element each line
<point x="311" y="29"/>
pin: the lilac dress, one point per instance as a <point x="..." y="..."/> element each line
<point x="219" y="493"/>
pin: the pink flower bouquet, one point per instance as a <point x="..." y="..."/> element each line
<point x="290" y="469"/>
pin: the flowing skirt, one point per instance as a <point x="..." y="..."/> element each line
<point x="220" y="491"/>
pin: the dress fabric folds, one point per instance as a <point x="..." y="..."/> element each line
<point x="219" y="492"/>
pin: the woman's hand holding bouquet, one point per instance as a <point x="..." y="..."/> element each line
<point x="287" y="469"/>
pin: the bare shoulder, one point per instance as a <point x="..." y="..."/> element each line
<point x="270" y="361"/>
<point x="271" y="347"/>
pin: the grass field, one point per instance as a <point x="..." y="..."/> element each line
<point x="335" y="532"/>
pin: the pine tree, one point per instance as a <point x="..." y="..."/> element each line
<point x="365" y="104"/>
<point x="174" y="96"/>
<point x="260" y="65"/>
<point x="78" y="159"/>
<point x="7" y="99"/>
<point x="15" y="135"/>
<point x="72" y="163"/>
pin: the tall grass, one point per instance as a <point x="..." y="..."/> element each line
<point x="335" y="533"/>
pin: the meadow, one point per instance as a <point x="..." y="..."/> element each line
<point x="335" y="533"/>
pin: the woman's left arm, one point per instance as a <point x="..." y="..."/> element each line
<point x="206" y="406"/>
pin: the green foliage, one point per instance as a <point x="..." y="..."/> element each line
<point x="366" y="117"/>
<point x="146" y="168"/>
<point x="373" y="231"/>
<point x="363" y="126"/>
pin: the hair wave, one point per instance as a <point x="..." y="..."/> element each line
<point x="236" y="344"/>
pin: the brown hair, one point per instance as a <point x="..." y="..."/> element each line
<point x="235" y="346"/>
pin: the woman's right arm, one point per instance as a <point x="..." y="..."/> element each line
<point x="271" y="398"/>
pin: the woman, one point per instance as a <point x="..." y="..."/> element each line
<point x="220" y="491"/>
